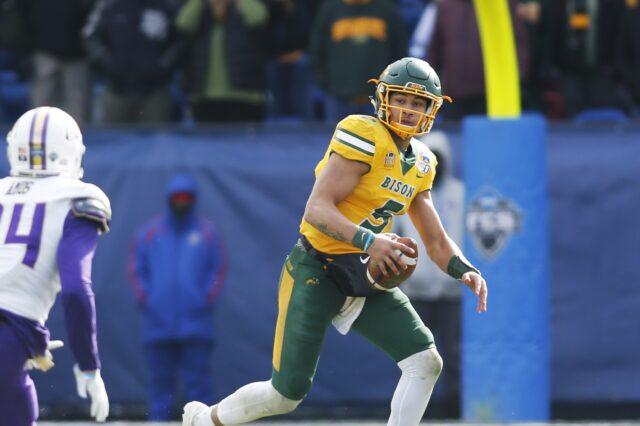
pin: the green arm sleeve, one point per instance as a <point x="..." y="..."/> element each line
<point x="189" y="15"/>
<point x="254" y="12"/>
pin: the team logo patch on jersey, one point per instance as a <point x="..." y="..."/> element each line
<point x="422" y="164"/>
<point x="389" y="160"/>
<point x="22" y="154"/>
<point x="491" y="220"/>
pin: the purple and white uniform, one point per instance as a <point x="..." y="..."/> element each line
<point x="49" y="229"/>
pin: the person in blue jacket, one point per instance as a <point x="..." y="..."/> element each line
<point x="177" y="267"/>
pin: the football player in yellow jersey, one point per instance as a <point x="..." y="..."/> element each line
<point x="372" y="170"/>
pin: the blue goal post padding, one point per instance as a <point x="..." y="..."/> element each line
<point x="505" y="351"/>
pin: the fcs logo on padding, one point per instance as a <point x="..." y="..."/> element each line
<point x="491" y="220"/>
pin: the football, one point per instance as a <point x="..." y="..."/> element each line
<point x="385" y="282"/>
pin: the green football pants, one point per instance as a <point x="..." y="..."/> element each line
<point x="307" y="302"/>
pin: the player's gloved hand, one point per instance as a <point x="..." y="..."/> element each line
<point x="90" y="382"/>
<point x="44" y="362"/>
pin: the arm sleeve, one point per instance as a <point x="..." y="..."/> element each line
<point x="74" y="257"/>
<point x="189" y="16"/>
<point x="254" y="12"/>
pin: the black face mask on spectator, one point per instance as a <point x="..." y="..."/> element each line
<point x="181" y="203"/>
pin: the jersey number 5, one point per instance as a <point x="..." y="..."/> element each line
<point x="32" y="240"/>
<point x="382" y="215"/>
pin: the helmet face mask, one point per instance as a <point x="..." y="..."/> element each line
<point x="45" y="141"/>
<point x="409" y="76"/>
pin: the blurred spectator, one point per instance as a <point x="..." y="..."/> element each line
<point x="456" y="52"/>
<point x="583" y="38"/>
<point x="434" y="294"/>
<point x="11" y="25"/>
<point x="290" y="81"/>
<point x="351" y="42"/>
<point x="411" y="10"/>
<point x="421" y="36"/>
<point x="14" y="89"/>
<point x="135" y="44"/>
<point x="61" y="74"/>
<point x="177" y="267"/>
<point x="627" y="57"/>
<point x="533" y="14"/>
<point x="225" y="75"/>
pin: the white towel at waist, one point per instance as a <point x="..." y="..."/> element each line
<point x="348" y="314"/>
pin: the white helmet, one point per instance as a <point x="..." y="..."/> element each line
<point x="45" y="141"/>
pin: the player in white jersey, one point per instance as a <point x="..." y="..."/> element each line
<point x="49" y="226"/>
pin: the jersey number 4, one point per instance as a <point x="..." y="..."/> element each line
<point x="32" y="240"/>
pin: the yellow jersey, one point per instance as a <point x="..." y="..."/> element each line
<point x="387" y="189"/>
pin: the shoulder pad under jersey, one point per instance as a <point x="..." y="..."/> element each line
<point x="92" y="209"/>
<point x="362" y="125"/>
<point x="355" y="138"/>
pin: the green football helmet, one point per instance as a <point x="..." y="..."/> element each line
<point x="410" y="76"/>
